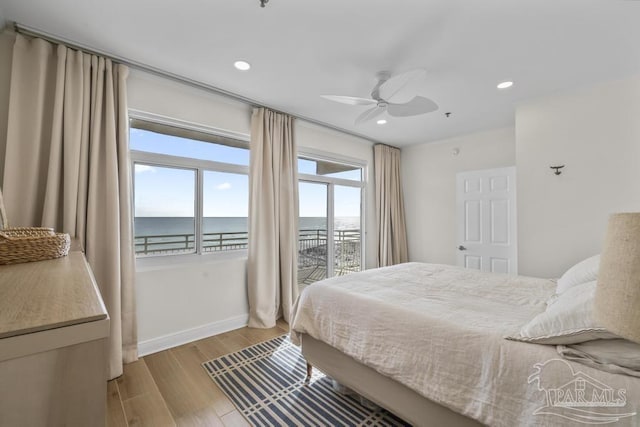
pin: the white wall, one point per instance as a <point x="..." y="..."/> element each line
<point x="181" y="302"/>
<point x="561" y="219"/>
<point x="429" y="182"/>
<point x="596" y="133"/>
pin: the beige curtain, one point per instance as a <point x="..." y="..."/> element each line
<point x="273" y="219"/>
<point x="392" y="233"/>
<point x="67" y="167"/>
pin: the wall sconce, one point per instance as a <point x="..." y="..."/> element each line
<point x="557" y="169"/>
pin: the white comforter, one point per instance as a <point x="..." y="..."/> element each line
<point x="439" y="330"/>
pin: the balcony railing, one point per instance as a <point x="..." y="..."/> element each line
<point x="312" y="248"/>
<point x="163" y="244"/>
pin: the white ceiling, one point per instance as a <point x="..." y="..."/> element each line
<point x="301" y="49"/>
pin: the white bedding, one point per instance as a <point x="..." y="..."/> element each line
<point x="439" y="330"/>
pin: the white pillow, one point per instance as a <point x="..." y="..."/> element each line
<point x="583" y="272"/>
<point x="615" y="356"/>
<point x="568" y="320"/>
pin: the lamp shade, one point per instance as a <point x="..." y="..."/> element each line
<point x="617" y="298"/>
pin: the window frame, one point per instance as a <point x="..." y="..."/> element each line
<point x="331" y="182"/>
<point x="200" y="166"/>
<point x="197" y="165"/>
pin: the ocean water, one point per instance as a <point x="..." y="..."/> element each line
<point x="157" y="226"/>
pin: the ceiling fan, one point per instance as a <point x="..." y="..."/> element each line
<point x="387" y="95"/>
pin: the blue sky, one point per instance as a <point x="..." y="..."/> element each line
<point x="166" y="192"/>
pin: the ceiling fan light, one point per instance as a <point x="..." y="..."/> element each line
<point x="505" y="85"/>
<point x="242" y="65"/>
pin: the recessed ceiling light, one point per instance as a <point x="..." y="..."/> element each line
<point x="242" y="65"/>
<point x="505" y="85"/>
<point x="381" y="122"/>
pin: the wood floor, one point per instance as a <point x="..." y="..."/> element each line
<point x="171" y="388"/>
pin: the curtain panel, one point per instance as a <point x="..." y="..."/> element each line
<point x="392" y="232"/>
<point x="273" y="219"/>
<point x="67" y="167"/>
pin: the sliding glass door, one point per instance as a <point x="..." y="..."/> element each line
<point x="330" y="228"/>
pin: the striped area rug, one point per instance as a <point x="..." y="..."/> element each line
<point x="266" y="382"/>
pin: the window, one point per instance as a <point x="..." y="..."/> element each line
<point x="226" y="207"/>
<point x="191" y="196"/>
<point x="164" y="227"/>
<point x="330" y="227"/>
<point x="190" y="189"/>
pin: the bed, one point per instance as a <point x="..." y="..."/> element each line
<point x="427" y="342"/>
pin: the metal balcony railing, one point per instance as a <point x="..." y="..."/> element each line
<point x="312" y="248"/>
<point x="163" y="244"/>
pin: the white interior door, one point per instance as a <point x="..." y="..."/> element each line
<point x="486" y="217"/>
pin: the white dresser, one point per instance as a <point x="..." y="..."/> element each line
<point x="53" y="344"/>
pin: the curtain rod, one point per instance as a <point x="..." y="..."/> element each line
<point x="34" y="32"/>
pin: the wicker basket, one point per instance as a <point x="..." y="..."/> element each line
<point x="26" y="244"/>
<point x="32" y="244"/>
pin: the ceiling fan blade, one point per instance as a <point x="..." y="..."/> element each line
<point x="395" y="84"/>
<point x="370" y="114"/>
<point x="351" y="100"/>
<point x="418" y="105"/>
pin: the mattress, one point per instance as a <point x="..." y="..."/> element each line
<point x="439" y="330"/>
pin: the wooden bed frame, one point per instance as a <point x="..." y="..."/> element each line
<point x="384" y="391"/>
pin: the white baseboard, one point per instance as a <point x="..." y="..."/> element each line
<point x="175" y="339"/>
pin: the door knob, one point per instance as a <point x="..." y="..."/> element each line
<point x="462" y="248"/>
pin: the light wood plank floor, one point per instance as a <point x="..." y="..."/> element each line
<point x="170" y="388"/>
